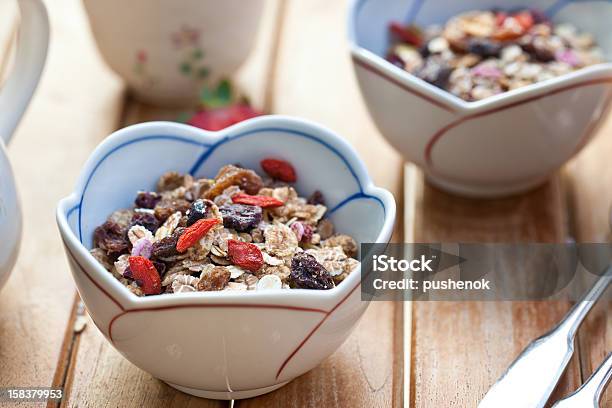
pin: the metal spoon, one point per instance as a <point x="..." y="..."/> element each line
<point x="589" y="393"/>
<point x="532" y="377"/>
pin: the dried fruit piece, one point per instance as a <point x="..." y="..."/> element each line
<point x="146" y="199"/>
<point x="195" y="232"/>
<point x="302" y="231"/>
<point x="408" y="34"/>
<point x="214" y="278"/>
<point x="245" y="255"/>
<point x="112" y="238"/>
<point x="199" y="209"/>
<point x="316" y="198"/>
<point x="260" y="201"/>
<point x="307" y="273"/>
<point x="240" y="217"/>
<point x="279" y="169"/>
<point x="166" y="207"/>
<point x="144" y="273"/>
<point x="231" y="175"/>
<point x="146" y="220"/>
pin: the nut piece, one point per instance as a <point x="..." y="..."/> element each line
<point x="268" y="282"/>
<point x="214" y="278"/>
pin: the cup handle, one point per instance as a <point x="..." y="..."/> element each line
<point x="29" y="62"/>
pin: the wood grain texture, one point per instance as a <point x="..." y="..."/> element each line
<point x="459" y="349"/>
<point x="590" y="195"/>
<point x="65" y="115"/>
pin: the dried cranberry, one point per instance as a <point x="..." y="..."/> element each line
<point x="484" y="48"/>
<point x="199" y="209"/>
<point x="316" y="198"/>
<point x="112" y="238"/>
<point x="241" y="217"/>
<point x="307" y="273"/>
<point x="166" y="247"/>
<point x="146" y="220"/>
<point x="146" y="199"/>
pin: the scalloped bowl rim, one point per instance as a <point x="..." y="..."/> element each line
<point x="128" y="299"/>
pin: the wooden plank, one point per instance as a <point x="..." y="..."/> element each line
<point x="97" y="372"/>
<point x="314" y="79"/>
<point x="65" y="120"/>
<point x="459" y="349"/>
<point x="590" y="178"/>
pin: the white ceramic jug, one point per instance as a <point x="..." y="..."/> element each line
<point x="14" y="98"/>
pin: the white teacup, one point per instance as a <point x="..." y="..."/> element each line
<point x="14" y="98"/>
<point x="167" y="50"/>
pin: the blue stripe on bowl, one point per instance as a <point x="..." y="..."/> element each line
<point x="212" y="147"/>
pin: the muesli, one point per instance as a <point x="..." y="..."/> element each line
<point x="235" y="232"/>
<point x="479" y="54"/>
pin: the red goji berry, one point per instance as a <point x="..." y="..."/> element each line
<point x="525" y="19"/>
<point x="245" y="255"/>
<point x="408" y="34"/>
<point x="279" y="169"/>
<point x="195" y="232"/>
<point x="257" y="200"/>
<point x="500" y="17"/>
<point x="144" y="272"/>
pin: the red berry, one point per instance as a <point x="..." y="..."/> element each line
<point x="220" y="118"/>
<point x="279" y="169"/>
<point x="407" y="34"/>
<point x="500" y="17"/>
<point x="257" y="200"/>
<point x="144" y="272"/>
<point x="195" y="232"/>
<point x="525" y="19"/>
<point x="245" y="255"/>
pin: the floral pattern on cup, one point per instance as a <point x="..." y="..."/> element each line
<point x="186" y="41"/>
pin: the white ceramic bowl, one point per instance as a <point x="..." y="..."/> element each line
<point x="500" y="145"/>
<point x="167" y="50"/>
<point x="222" y="345"/>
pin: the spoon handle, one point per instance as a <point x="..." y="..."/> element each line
<point x="589" y="394"/>
<point x="576" y="315"/>
<point x="601" y="377"/>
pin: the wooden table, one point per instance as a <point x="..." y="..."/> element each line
<point x="430" y="354"/>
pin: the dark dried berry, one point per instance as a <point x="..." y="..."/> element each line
<point x="199" y="209"/>
<point x="396" y="60"/>
<point x="484" y="48"/>
<point x="146" y="199"/>
<point x="435" y="72"/>
<point x="166" y="247"/>
<point x="112" y="238"/>
<point x="539" y="52"/>
<point x="307" y="273"/>
<point x="146" y="220"/>
<point x="316" y="198"/>
<point x="161" y="268"/>
<point x="240" y="217"/>
<point x="165" y="208"/>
